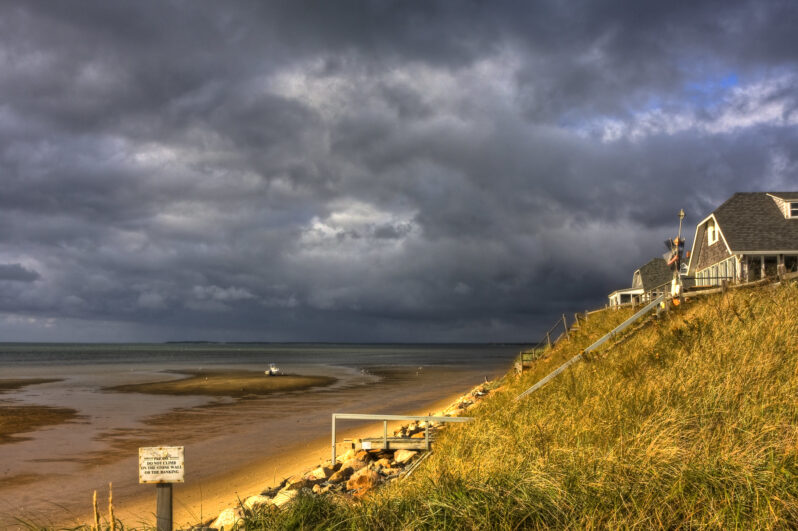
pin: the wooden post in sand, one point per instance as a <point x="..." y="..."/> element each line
<point x="162" y="465"/>
<point x="163" y="507"/>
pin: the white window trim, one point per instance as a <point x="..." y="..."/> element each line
<point x="712" y="233"/>
<point x="790" y="206"/>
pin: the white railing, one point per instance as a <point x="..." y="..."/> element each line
<point x="385" y="419"/>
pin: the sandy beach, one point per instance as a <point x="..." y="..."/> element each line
<point x="242" y="434"/>
<point x="196" y="503"/>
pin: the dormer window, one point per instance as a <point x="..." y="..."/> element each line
<point x="712" y="232"/>
<point x="794" y="209"/>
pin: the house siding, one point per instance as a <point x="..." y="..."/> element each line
<point x="710" y="254"/>
<point x="783" y="205"/>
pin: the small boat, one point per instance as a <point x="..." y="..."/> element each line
<point x="273" y="370"/>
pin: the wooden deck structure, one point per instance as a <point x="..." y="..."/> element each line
<point x="391" y="443"/>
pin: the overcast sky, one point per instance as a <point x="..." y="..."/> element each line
<point x="368" y="171"/>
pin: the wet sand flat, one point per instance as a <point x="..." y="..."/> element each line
<point x="18" y="383"/>
<point x="19" y="419"/>
<point x="226" y="383"/>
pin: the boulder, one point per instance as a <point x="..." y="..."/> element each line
<point x="318" y="489"/>
<point x="296" y="483"/>
<point x="349" y="454"/>
<point x="227" y="520"/>
<point x="383" y="463"/>
<point x="342" y="475"/>
<point x="363" y="481"/>
<point x="419" y="435"/>
<point x="272" y="492"/>
<point x="284" y="497"/>
<point x="363" y="455"/>
<point x="354" y="464"/>
<point x="256" y="501"/>
<point x="404" y="456"/>
<point x="322" y="473"/>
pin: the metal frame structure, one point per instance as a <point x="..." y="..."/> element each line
<point x="385" y="419"/>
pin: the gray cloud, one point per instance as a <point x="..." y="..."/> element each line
<point x="368" y="171"/>
<point x="18" y="273"/>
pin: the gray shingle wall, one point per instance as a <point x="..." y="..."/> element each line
<point x="709" y="254"/>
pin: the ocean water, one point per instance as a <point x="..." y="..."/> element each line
<point x="102" y="444"/>
<point x="19" y="356"/>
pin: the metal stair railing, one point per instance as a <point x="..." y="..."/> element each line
<point x="609" y="335"/>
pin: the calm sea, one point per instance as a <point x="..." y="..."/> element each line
<point x="15" y="356"/>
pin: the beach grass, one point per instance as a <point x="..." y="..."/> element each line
<point x="690" y="421"/>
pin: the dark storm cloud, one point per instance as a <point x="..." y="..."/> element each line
<point x="17" y="272"/>
<point x="368" y="170"/>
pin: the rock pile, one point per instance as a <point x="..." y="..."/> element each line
<point x="354" y="474"/>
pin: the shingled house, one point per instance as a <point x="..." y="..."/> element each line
<point x="750" y="236"/>
<point x="648" y="282"/>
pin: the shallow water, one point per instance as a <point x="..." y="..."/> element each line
<point x="62" y="464"/>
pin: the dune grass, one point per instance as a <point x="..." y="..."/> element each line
<point x="690" y="422"/>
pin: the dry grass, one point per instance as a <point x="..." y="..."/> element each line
<point x="690" y="423"/>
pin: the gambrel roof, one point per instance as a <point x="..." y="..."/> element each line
<point x="753" y="222"/>
<point x="654" y="274"/>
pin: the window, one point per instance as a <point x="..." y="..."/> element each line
<point x="712" y="232"/>
<point x="794" y="210"/>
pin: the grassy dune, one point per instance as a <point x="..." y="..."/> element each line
<point x="691" y="422"/>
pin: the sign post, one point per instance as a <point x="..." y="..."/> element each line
<point x="162" y="465"/>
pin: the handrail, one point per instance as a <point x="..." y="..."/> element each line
<point x="386" y="418"/>
<point x="609" y="335"/>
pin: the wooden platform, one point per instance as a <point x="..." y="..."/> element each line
<point x="391" y="443"/>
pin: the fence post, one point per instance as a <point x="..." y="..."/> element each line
<point x="548" y="339"/>
<point x="333" y="440"/>
<point x="565" y="326"/>
<point x="426" y="434"/>
<point x="163" y="506"/>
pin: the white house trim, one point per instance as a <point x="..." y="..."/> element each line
<point x="690" y="270"/>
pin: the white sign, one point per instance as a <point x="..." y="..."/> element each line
<point x="365" y="445"/>
<point x="161" y="464"/>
